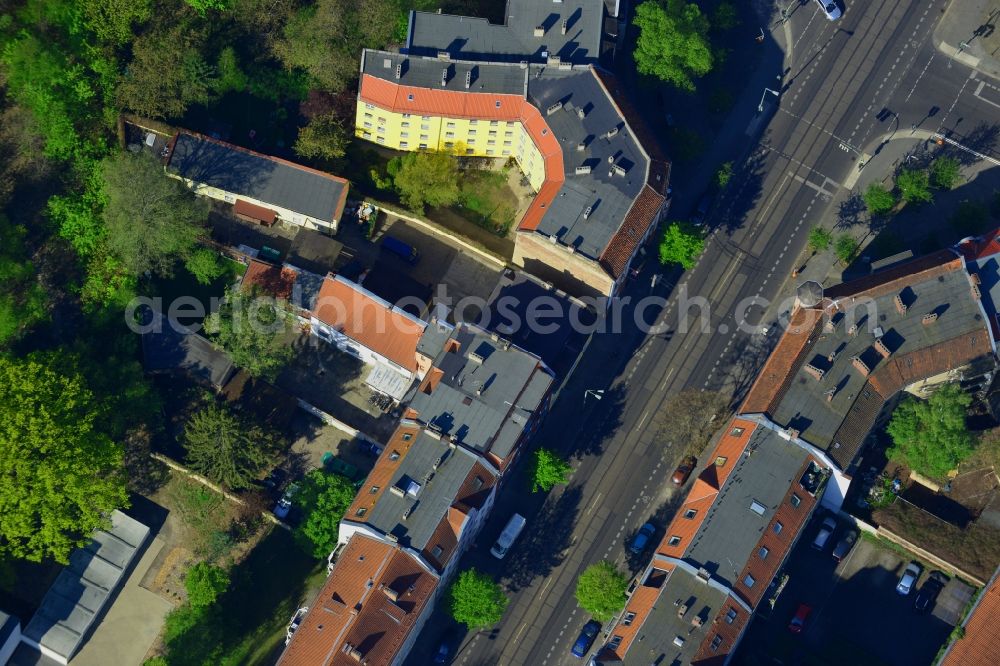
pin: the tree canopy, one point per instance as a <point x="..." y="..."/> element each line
<point x="682" y="244"/>
<point x="878" y="200"/>
<point x="673" y="42"/>
<point x="204" y="583"/>
<point x="819" y="239"/>
<point x="323" y="137"/>
<point x="930" y="435"/>
<point x="600" y="590"/>
<point x="548" y="469"/>
<point x="914" y="186"/>
<point x="475" y="600"/>
<point x="324" y="498"/>
<point x="945" y="172"/>
<point x="426" y="178"/>
<point x="845" y="247"/>
<point x="60" y="470"/>
<point x="226" y="447"/>
<point x="252" y="328"/>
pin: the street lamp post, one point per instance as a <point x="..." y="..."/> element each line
<point x="597" y="393"/>
<point x="760" y="107"/>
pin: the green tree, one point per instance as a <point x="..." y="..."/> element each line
<point x="475" y="600"/>
<point x="548" y="470"/>
<point x="323" y="137"/>
<point x="231" y="78"/>
<point x="969" y="219"/>
<point x="725" y="16"/>
<point x="60" y="470"/>
<point x="252" y="328"/>
<point x="682" y="244"/>
<point x="945" y="172"/>
<point x="600" y="590"/>
<point x="114" y="21"/>
<point x="426" y="178"/>
<point x="23" y="300"/>
<point x="167" y="74"/>
<point x="226" y="447"/>
<point x="819" y="239"/>
<point x="151" y="219"/>
<point x="204" y="583"/>
<point x="724" y="175"/>
<point x="878" y="200"/>
<point x="203" y="6"/>
<point x="204" y="265"/>
<point x="914" y="186"/>
<point x="673" y="43"/>
<point x="930" y="435"/>
<point x="845" y="248"/>
<point x="324" y="499"/>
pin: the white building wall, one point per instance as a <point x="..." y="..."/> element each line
<point x="353" y="347"/>
<point x="7" y="649"/>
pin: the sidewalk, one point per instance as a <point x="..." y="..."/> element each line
<point x="968" y="33"/>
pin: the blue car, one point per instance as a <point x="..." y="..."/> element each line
<point x="586" y="639"/>
<point x="641" y="539"/>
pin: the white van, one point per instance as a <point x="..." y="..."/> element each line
<point x="508" y="536"/>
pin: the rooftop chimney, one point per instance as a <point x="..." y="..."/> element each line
<point x="882" y="348"/>
<point x="618" y="169"/>
<point x="444" y="77"/>
<point x="975" y="292"/>
<point x="831" y="356"/>
<point x="853" y="330"/>
<point x="900" y="305"/>
<point x="581" y="147"/>
<point x="565" y="24"/>
<point x="974" y="278"/>
<point x="829" y="394"/>
<point x="392" y="594"/>
<point x="612" y="132"/>
<point x="582" y="170"/>
<point x="468" y="79"/>
<point x="399" y="70"/>
<point x="587" y="212"/>
<point x="444" y="55"/>
<point x="929" y="318"/>
<point x="539" y="31"/>
<point x="580" y="113"/>
<point x="860" y="365"/>
<point x="553" y="108"/>
<point x="814" y="372"/>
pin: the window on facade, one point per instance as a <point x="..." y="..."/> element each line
<point x="449" y="144"/>
<point x="778" y="527"/>
<point x="493" y="133"/>
<point x="425" y="127"/>
<point x="469" y="151"/>
<point x="749" y="580"/>
<point x="730" y="615"/>
<point x="508" y="133"/>
<point x="628" y="618"/>
<point x="404" y="144"/>
<point x="716" y="642"/>
<point x="795" y="500"/>
<point x="425" y="117"/>
<point x="472" y="142"/>
<point x="380" y="129"/>
<point x="506" y="152"/>
<point x="380" y="139"/>
<point x="367" y="123"/>
<point x="472" y="132"/>
<point x="491" y="143"/>
<point x="450" y="135"/>
<point x="674" y="540"/>
<point x="369" y="106"/>
<point x="404" y="124"/>
<point x="381" y="120"/>
<point x="494" y="123"/>
<point x="437" y="552"/>
<point x="423" y="146"/>
<point x="490" y="151"/>
<point x="690" y="514"/>
<point x="404" y="134"/>
<point x="425" y="137"/>
<point x="506" y="143"/>
<point x="762" y="553"/>
<point x="368" y="115"/>
<point x="615" y="640"/>
<point x="450" y="124"/>
<point x="406" y="115"/>
<point x="367" y="134"/>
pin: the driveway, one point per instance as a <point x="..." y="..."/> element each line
<point x="857" y="616"/>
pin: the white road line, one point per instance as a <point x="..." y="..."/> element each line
<point x="593" y="504"/>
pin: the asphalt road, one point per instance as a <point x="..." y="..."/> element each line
<point x="838" y="76"/>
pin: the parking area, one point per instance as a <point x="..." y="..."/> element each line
<point x="857" y="615"/>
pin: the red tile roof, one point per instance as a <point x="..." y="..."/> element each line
<point x="784" y="361"/>
<point x="633" y="230"/>
<point x="981" y="642"/>
<point x="369" y="604"/>
<point x="981" y="247"/>
<point x="370" y="321"/>
<point x="254" y="212"/>
<point x="269" y="279"/>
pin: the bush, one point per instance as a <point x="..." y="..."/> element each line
<point x="724" y="174"/>
<point x="945" y="172"/>
<point x="548" y="470"/>
<point x="475" y="600"/>
<point x="930" y="435"/>
<point x="878" y="200"/>
<point x="204" y="265"/>
<point x="845" y="248"/>
<point x="601" y="590"/>
<point x="324" y="499"/>
<point x="204" y="583"/>
<point x="819" y="239"/>
<point x="682" y="244"/>
<point x="914" y="186"/>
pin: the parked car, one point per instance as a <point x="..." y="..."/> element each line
<point x="825" y="531"/>
<point x="641" y="538"/>
<point x="701" y="212"/>
<point x="798" y="622"/>
<point x="585" y="639"/>
<point x="284" y="505"/>
<point x="844" y="546"/>
<point x="404" y="251"/>
<point x="830" y="9"/>
<point x="684" y="470"/>
<point x="909" y="578"/>
<point x="295" y="622"/>
<point x="927" y="595"/>
<point x="445" y="650"/>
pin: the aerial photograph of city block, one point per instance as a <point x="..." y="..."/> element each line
<point x="499" y="332"/>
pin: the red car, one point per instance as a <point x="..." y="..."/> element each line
<point x="798" y="622"/>
<point x="684" y="470"/>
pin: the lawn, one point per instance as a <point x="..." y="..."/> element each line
<point x="246" y="626"/>
<point x="487" y="200"/>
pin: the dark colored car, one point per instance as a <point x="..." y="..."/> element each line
<point x="927" y="596"/>
<point x="445" y="650"/>
<point x="701" y="212"/>
<point x="404" y="251"/>
<point x="844" y="546"/>
<point x="641" y="539"/>
<point x="684" y="470"/>
<point x="586" y="638"/>
<point x="798" y="622"/>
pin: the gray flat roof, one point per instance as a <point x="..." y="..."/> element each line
<point x="608" y="194"/>
<point x="426" y="72"/>
<point x="730" y="531"/>
<point x="434" y="490"/>
<point x="486" y="395"/>
<point x="804" y="405"/>
<point x="662" y="626"/>
<point x="175" y="348"/>
<point x="267" y="179"/>
<point x="476" y="38"/>
<point x="82" y="589"/>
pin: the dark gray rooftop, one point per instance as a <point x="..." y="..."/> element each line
<point x="487" y="394"/>
<point x="724" y="541"/>
<point x="434" y="336"/>
<point x="426" y="72"/>
<point x="173" y="347"/>
<point x="608" y="193"/>
<point x="663" y="626"/>
<point x="805" y="407"/>
<point x="82" y="589"/>
<point x="416" y="487"/>
<point x="988" y="270"/>
<point x="478" y="39"/>
<point x="272" y="181"/>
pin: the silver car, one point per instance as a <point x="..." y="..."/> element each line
<point x="908" y="579"/>
<point x="831" y="9"/>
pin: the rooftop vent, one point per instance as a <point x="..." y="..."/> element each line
<point x="582" y="170"/>
<point x="399" y="70"/>
<point x="581" y="147"/>
<point x="565" y="25"/>
<point x="587" y="212"/>
<point x="539" y="31"/>
<point x="900" y="305"/>
<point x="413" y="489"/>
<point x="553" y="108"/>
<point x="860" y="365"/>
<point x="444" y="55"/>
<point x="814" y="372"/>
<point x="853" y="330"/>
<point x="618" y="170"/>
<point x="612" y="132"/>
<point x="468" y="79"/>
<point x="444" y="77"/>
<point x="929" y="318"/>
<point x="580" y="113"/>
<point x="703" y="574"/>
<point x="878" y="332"/>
